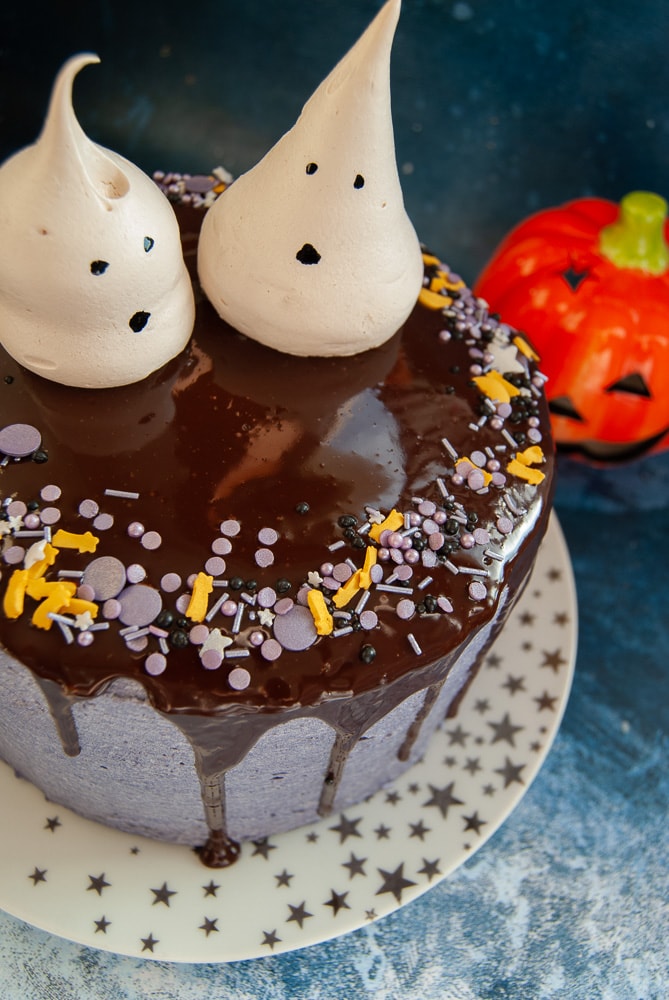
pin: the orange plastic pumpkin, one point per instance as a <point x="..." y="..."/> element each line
<point x="589" y="284"/>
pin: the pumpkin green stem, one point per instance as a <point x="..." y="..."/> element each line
<point x="636" y="239"/>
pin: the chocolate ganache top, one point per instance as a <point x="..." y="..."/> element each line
<point x="236" y="493"/>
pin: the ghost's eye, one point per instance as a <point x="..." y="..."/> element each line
<point x="148" y="243"/>
<point x="312" y="168"/>
<point x="99" y="266"/>
<point x="359" y="181"/>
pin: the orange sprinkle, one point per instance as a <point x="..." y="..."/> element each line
<point x="197" y="606"/>
<point x="321" y="615"/>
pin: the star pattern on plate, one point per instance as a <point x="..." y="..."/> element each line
<point x="352" y="867"/>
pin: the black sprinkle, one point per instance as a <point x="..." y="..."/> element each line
<point x="367" y="653"/>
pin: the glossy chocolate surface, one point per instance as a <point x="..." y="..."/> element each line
<point x="231" y="430"/>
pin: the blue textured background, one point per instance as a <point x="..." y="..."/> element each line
<point x="501" y="107"/>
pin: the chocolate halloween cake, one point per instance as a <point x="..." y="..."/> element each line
<point x="243" y="590"/>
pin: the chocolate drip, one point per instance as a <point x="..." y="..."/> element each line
<point x="60" y="707"/>
<point x="341" y="748"/>
<point x="220" y="851"/>
<point x="414" y="729"/>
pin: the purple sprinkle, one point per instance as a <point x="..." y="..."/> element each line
<point x="342" y="572"/>
<point x="199" y="183"/>
<point x="50" y="493"/>
<point x="257" y="638"/>
<point x="239" y="679"/>
<point x="221" y="547"/>
<point x="111" y="609"/>
<point x="31" y="522"/>
<point x="182" y="603"/>
<point x="411" y="556"/>
<point x="481" y="536"/>
<point x="428" y="558"/>
<point x="405" y="609"/>
<point x="198" y="634"/>
<point x="266" y="597"/>
<point x="429" y="526"/>
<point x="504" y="525"/>
<point x="503" y="410"/>
<point x="270" y="649"/>
<point x="476" y="480"/>
<point x="14" y="555"/>
<point x="89" y="509"/>
<point x="404" y="572"/>
<point x="137" y="645"/>
<point x="369" y="620"/>
<point x="436" y="540"/>
<point x="86" y="593"/>
<point x="106" y="575"/>
<point x="155" y="664"/>
<point x="215" y="566"/>
<point x="467" y="540"/>
<point x="498" y="479"/>
<point x="445" y="605"/>
<point x="211" y="658"/>
<point x="479" y="458"/>
<point x="283" y="606"/>
<point x="19" y="440"/>
<point x="85" y="639"/>
<point x="327" y="569"/>
<point x="394" y="540"/>
<point x="264" y="558"/>
<point x="50" y="515"/>
<point x="135" y="529"/>
<point x="230" y="528"/>
<point x="103" y="522"/>
<point x="267" y="536"/>
<point x="229" y="608"/>
<point x="135" y="573"/>
<point x="534" y="435"/>
<point x="140" y="604"/>
<point x="296" y="629"/>
<point x="427" y="508"/>
<point x="151" y="540"/>
<point x="330" y="583"/>
<point x="170" y="582"/>
<point x="17" y="508"/>
<point x="477" y="590"/>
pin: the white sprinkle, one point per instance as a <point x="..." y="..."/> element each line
<point x="364" y="528"/>
<point x="122" y="494"/>
<point x="67" y="632"/>
<point x="441" y="486"/>
<point x="473" y="427"/>
<point x="98" y="627"/>
<point x="236" y="654"/>
<point x="248" y="598"/>
<point x="338" y="632"/>
<point x="493" y="555"/>
<point x="60" y="619"/>
<point x="388" y="589"/>
<point x="407" y="520"/>
<point x="366" y="594"/>
<point x="482" y="420"/>
<point x="29" y="534"/>
<point x="473" y="571"/>
<point x="349" y="562"/>
<point x="216" y="606"/>
<point x="452" y="567"/>
<point x="413" y="642"/>
<point x="237" y="623"/>
<point x="509" y="437"/>
<point x="73" y="574"/>
<point x="164" y="645"/>
<point x="449" y="448"/>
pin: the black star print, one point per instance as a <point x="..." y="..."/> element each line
<point x="382" y="832"/>
<point x="546" y="702"/>
<point x="561" y="618"/>
<point x="430" y="868"/>
<point x="535" y="747"/>
<point x="134" y="850"/>
<point x="514" y="684"/>
<point x="505" y="730"/>
<point x="52" y="824"/>
<point x="283" y="879"/>
<point x="526" y="618"/>
<point x="474" y="822"/>
<point x="473" y="765"/>
<point x="209" y="926"/>
<point x="489" y="790"/>
<point x="38" y="875"/>
<point x="370" y="914"/>
<point x="394" y="882"/>
<point x="163" y="894"/>
<point x="312" y="837"/>
<point x="553" y="660"/>
<point x="270" y="939"/>
<point x="418" y="829"/>
<point x="493" y="661"/>
<point x="298" y="913"/>
<point x="482" y="706"/>
<point x="414" y="788"/>
<point x="337" y="901"/>
<point x="101" y="925"/>
<point x="149" y="943"/>
<point x="354" y="865"/>
<point x="554" y="574"/>
<point x="510" y="772"/>
<point x="457" y="736"/>
<point x="347" y="828"/>
<point x="262" y="847"/>
<point x="392" y="798"/>
<point x="443" y="798"/>
<point x="98" y="883"/>
<point x="450" y="761"/>
<point x="211" y="889"/>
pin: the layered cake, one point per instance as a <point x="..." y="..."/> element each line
<point x="244" y="582"/>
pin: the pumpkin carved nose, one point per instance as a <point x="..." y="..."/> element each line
<point x="308" y="254"/>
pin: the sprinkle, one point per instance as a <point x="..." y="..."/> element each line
<point x="493" y="555"/>
<point x="338" y="632"/>
<point x="122" y="494"/>
<point x="267" y="536"/>
<point x="135" y="573"/>
<point x="509" y="438"/>
<point x="140" y="604"/>
<point x="477" y="590"/>
<point x="19" y="440"/>
<point x="449" y="448"/>
<point x="237" y="623"/>
<point x="50" y="515"/>
<point x="106" y="575"/>
<point x="366" y="594"/>
<point x="239" y="679"/>
<point x="230" y="528"/>
<point x="264" y="558"/>
<point x="413" y="642"/>
<point x="405" y="609"/>
<point x="155" y="664"/>
<point x="321" y="615"/>
<point x="103" y="522"/>
<point x="390" y="589"/>
<point x="50" y="493"/>
<point x="425" y="582"/>
<point x="336" y="545"/>
<point x="270" y="650"/>
<point x="369" y="620"/>
<point x="151" y="540"/>
<point x="211" y="658"/>
<point x="221" y="547"/>
<point x="474" y="571"/>
<point x="89" y="509"/>
<point x="452" y="567"/>
<point x="216" y="606"/>
<point x="170" y="582"/>
<point x="444" y="605"/>
<point x="267" y="597"/>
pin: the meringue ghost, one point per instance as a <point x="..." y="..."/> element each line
<point x="94" y="291"/>
<point x="311" y="252"/>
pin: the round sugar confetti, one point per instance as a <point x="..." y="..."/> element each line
<point x="170" y="582"/>
<point x="14" y="555"/>
<point x="239" y="679"/>
<point x="266" y="597"/>
<point x="199" y="183"/>
<point x="444" y="605"/>
<point x="50" y="493"/>
<point x="89" y="508"/>
<point x="198" y="634"/>
<point x="342" y="572"/>
<point x="151" y="540"/>
<point x="215" y="566"/>
<point x="103" y="522"/>
<point x="479" y="458"/>
<point x="135" y="573"/>
<point x="50" y="515"/>
<point x="221" y="547"/>
<point x="404" y="572"/>
<point x="230" y="528"/>
<point x="427" y="508"/>
<point x="476" y="480"/>
<point x="477" y="590"/>
<point x="264" y="558"/>
<point x="369" y="620"/>
<point x="135" y="529"/>
<point x="296" y="629"/>
<point x="283" y="606"/>
<point x="17" y="508"/>
<point x="267" y="536"/>
<point x="19" y="440"/>
<point x="376" y="573"/>
<point x="106" y="575"/>
<point x="155" y="664"/>
<point x="211" y="659"/>
<point x="504" y="525"/>
<point x="137" y="645"/>
<point x="140" y="604"/>
<point x="85" y="592"/>
<point x="481" y="536"/>
<point x="111" y="609"/>
<point x="405" y="609"/>
<point x="270" y="650"/>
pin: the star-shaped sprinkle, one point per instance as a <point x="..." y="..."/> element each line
<point x="163" y="894"/>
<point x="265" y="617"/>
<point x="38" y="875"/>
<point x="337" y="901"/>
<point x="443" y="798"/>
<point x="354" y="865"/>
<point x="101" y="925"/>
<point x="83" y="621"/>
<point x="270" y="939"/>
<point x="347" y="828"/>
<point x="298" y="914"/>
<point x="394" y="882"/>
<point x="149" y="943"/>
<point x="98" y="883"/>
<point x="505" y="730"/>
<point x="314" y="579"/>
<point x="52" y="824"/>
<point x="209" y="926"/>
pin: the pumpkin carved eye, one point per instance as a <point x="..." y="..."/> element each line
<point x="562" y="406"/>
<point x="634" y="385"/>
<point x="574" y="277"/>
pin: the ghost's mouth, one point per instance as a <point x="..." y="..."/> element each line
<point x="308" y="254"/>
